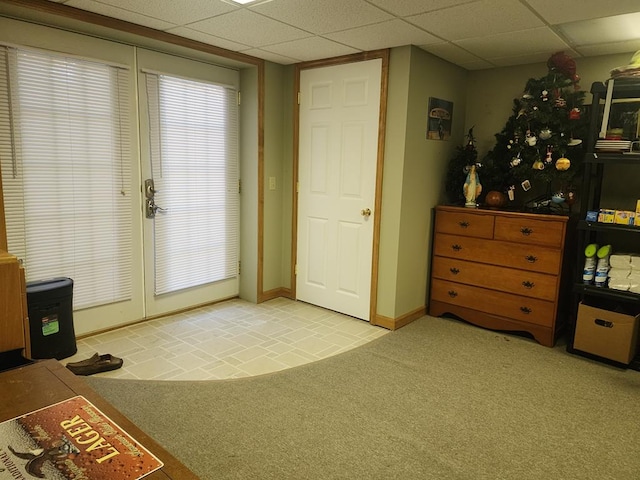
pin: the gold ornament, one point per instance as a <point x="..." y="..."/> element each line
<point x="563" y="164"/>
<point x="538" y="165"/>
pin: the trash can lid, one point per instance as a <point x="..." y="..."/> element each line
<point x="50" y="284"/>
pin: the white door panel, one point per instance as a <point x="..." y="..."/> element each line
<point x="339" y="115"/>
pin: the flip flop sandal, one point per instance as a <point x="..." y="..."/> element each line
<point x="95" y="364"/>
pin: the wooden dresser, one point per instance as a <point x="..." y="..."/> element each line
<point x="14" y="324"/>
<point x="499" y="270"/>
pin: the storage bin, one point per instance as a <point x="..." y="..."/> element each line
<point x="607" y="334"/>
<point x="50" y="308"/>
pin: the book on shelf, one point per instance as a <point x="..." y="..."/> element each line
<point x="71" y="439"/>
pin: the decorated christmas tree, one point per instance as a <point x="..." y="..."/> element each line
<point x="541" y="144"/>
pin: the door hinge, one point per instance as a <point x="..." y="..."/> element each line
<point x="239" y="267"/>
<point x="297" y="187"/>
<point x="299" y="95"/>
<point x="295" y="269"/>
<point x="239" y="98"/>
<point x="239" y="186"/>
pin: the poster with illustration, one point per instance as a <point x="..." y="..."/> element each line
<point x="71" y="440"/>
<point x="439" y="118"/>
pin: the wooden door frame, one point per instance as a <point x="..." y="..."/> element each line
<point x="382" y="121"/>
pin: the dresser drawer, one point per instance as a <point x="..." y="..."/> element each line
<point x="519" y="282"/>
<point x="532" y="258"/>
<point x="527" y="230"/>
<point x="467" y="223"/>
<point x="525" y="309"/>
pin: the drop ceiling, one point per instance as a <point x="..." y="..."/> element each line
<point x="474" y="34"/>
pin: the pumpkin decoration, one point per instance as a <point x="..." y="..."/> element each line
<point x="495" y="199"/>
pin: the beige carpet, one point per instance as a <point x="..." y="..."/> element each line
<point x="437" y="399"/>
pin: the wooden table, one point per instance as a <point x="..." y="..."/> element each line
<point x="34" y="386"/>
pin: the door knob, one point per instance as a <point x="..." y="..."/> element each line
<point x="365" y="212"/>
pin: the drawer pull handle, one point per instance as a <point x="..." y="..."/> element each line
<point x="454" y="270"/>
<point x="528" y="284"/>
<point x="526" y="231"/>
<point x="531" y="259"/>
<point x="452" y="293"/>
<point x="526" y="310"/>
<point x="463" y="224"/>
<point x="456" y="247"/>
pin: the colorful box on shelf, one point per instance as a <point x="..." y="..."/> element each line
<point x="624" y="217"/>
<point x="606" y="215"/>
<point x="592" y="216"/>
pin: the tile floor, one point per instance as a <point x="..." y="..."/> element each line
<point x="232" y="339"/>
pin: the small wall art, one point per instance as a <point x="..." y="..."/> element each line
<point x="439" y="118"/>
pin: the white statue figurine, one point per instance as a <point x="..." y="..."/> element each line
<point x="472" y="187"/>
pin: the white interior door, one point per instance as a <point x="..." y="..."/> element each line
<point x="338" y="148"/>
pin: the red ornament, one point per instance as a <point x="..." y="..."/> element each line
<point x="574" y="114"/>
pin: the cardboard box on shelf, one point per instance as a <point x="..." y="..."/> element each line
<point x="606" y="334"/>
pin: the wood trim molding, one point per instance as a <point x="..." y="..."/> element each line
<point x="401" y="321"/>
<point x="59" y="9"/>
<point x="358" y="57"/>
<point x="276" y="293"/>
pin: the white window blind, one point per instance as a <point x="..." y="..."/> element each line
<point x="194" y="157"/>
<point x="66" y="171"/>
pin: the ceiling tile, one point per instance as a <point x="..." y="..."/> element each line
<point x="565" y="11"/>
<point x="269" y="56"/>
<point x="306" y="49"/>
<point x="629" y="47"/>
<point x="403" y="8"/>
<point x="119" y="13"/>
<point x="539" y="57"/>
<point x="249" y="28"/>
<point x="618" y="28"/>
<point x="537" y="40"/>
<point x="176" y="12"/>
<point x="452" y="53"/>
<point x="394" y="33"/>
<point x="485" y="17"/>
<point x="323" y="16"/>
<point x="206" y="38"/>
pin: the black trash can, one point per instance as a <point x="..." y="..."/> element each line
<point x="50" y="306"/>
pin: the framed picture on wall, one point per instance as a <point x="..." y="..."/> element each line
<point x="439" y="116"/>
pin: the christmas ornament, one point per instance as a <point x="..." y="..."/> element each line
<point x="563" y="164"/>
<point x="574" y="113"/>
<point x="531" y="139"/>
<point x="549" y="158"/>
<point x="511" y="192"/>
<point x="545" y="95"/>
<point x="560" y="102"/>
<point x="557" y="197"/>
<point x="545" y="134"/>
<point x="538" y="165"/>
<point x="515" y="161"/>
<point x="574" y="141"/>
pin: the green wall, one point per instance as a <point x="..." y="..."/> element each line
<point x="414" y="171"/>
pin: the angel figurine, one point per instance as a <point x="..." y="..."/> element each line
<point x="472" y="187"/>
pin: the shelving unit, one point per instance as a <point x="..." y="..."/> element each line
<point x="596" y="164"/>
